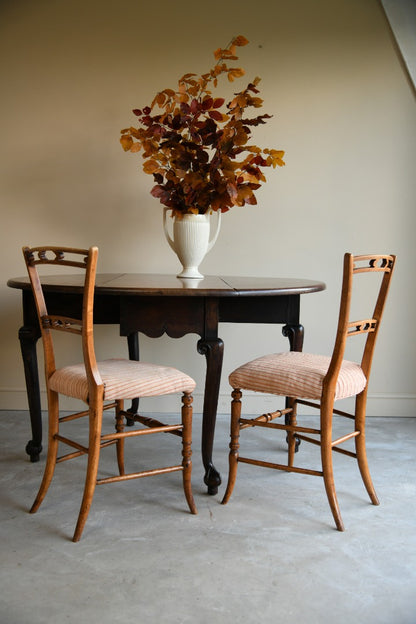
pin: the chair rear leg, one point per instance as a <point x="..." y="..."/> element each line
<point x="234" y="444"/>
<point x="95" y="418"/>
<point x="327" y="464"/>
<point x="53" y="415"/>
<point x="187" y="450"/>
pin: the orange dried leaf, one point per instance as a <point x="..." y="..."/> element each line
<point x="126" y="142"/>
<point x="240" y="41"/>
<point x="150" y="166"/>
<point x="193" y="90"/>
<point x="256" y="102"/>
<point x="275" y="157"/>
<point x="234" y="73"/>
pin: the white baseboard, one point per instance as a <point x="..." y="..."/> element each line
<point x="386" y="405"/>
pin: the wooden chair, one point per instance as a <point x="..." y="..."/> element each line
<point x="303" y="377"/>
<point x="101" y="385"/>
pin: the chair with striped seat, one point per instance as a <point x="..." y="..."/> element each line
<point x="317" y="381"/>
<point x="101" y="386"/>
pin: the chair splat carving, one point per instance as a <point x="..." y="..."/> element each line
<point x="60" y="256"/>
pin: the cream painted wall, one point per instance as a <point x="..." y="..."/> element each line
<point x="70" y="73"/>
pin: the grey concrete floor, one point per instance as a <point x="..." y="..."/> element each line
<point x="272" y="555"/>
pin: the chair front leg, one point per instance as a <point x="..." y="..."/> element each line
<point x="187" y="450"/>
<point x="53" y="415"/>
<point x="234" y="444"/>
<point x="326" y="457"/>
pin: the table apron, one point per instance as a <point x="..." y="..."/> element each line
<point x="261" y="309"/>
<point x="175" y="316"/>
<point x="155" y="316"/>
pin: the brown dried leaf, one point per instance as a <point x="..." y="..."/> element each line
<point x="160" y="99"/>
<point x="215" y="115"/>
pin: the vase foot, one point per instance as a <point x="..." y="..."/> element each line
<point x="191" y="273"/>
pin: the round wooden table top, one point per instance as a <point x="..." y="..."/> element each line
<point x="153" y="284"/>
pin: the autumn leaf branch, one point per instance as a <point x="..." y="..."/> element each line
<point x="192" y="146"/>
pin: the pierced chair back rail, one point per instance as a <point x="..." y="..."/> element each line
<point x="62" y="323"/>
<point x="373" y="263"/>
<point x="139" y="475"/>
<point x="366" y="326"/>
<point x="39" y="255"/>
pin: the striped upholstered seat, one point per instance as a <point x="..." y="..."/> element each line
<point x="122" y="378"/>
<point x="298" y="375"/>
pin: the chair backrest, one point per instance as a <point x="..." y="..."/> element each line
<point x="371" y="264"/>
<point x="85" y="259"/>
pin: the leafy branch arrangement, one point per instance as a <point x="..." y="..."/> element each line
<point x="199" y="156"/>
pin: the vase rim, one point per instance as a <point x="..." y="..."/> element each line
<point x="191" y="215"/>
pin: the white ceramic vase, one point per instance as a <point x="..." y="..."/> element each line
<point x="191" y="240"/>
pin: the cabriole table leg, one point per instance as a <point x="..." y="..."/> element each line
<point x="213" y="350"/>
<point x="28" y="339"/>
